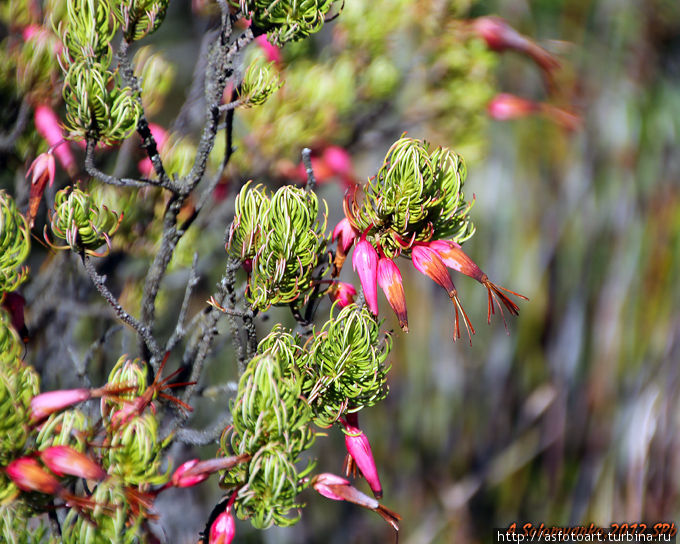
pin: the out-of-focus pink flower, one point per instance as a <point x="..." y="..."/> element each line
<point x="505" y="107"/>
<point x="339" y="162"/>
<point x="500" y="36"/>
<point x="389" y="279"/>
<point x="365" y="263"/>
<point x="271" y="52"/>
<point x="161" y="136"/>
<point x="360" y="454"/>
<point x="223" y="529"/>
<point x="65" y="460"/>
<point x="454" y="257"/>
<point x="343" y="293"/>
<point x="28" y="475"/>
<point x="31" y="30"/>
<point x="339" y="489"/>
<point x="44" y="404"/>
<point x="42" y="172"/>
<point x="428" y="262"/>
<point x="47" y="125"/>
<point x="14" y="303"/>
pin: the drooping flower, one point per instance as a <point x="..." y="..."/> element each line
<point x="343" y="293"/>
<point x="359" y="453"/>
<point x="365" y="263"/>
<point x="500" y="36"/>
<point x="345" y="235"/>
<point x="389" y="279"/>
<point x="339" y="489"/>
<point x="454" y="257"/>
<point x="42" y="172"/>
<point x="223" y="529"/>
<point x="65" y="460"/>
<point x="428" y="262"/>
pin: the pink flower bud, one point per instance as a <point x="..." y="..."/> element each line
<point x="48" y="403"/>
<point x="271" y="52"/>
<point x="180" y="480"/>
<point x="47" y="125"/>
<point x="65" y="460"/>
<point x="223" y="529"/>
<point x="389" y="279"/>
<point x="359" y="449"/>
<point x="345" y="234"/>
<point x="28" y="475"/>
<point x="343" y="293"/>
<point x="365" y="263"/>
<point x="42" y="171"/>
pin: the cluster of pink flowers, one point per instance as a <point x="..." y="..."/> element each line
<point x="430" y="258"/>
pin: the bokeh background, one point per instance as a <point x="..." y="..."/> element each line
<point x="573" y="416"/>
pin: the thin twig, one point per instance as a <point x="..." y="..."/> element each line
<point x="100" y="284"/>
<point x="148" y="140"/>
<point x="180" y="329"/>
<point x="93" y="171"/>
<point x="206" y="436"/>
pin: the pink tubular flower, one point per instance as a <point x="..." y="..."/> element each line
<point x="454" y="257"/>
<point x="180" y="480"/>
<point x="338" y="489"/>
<point x="47" y="125"/>
<point x="359" y="453"/>
<point x="195" y="471"/>
<point x="271" y="52"/>
<point x="45" y="404"/>
<point x="343" y="293"/>
<point x="65" y="460"/>
<point x="428" y="262"/>
<point x="28" y="475"/>
<point x="500" y="36"/>
<point x="223" y="529"/>
<point x="389" y="279"/>
<point x="365" y="263"/>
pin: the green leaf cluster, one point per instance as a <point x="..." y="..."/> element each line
<point x="80" y="222"/>
<point x="286" y="20"/>
<point x="416" y="196"/>
<point x="283" y="237"/>
<point x="15" y="244"/>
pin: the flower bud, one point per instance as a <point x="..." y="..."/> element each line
<point x="365" y="263"/>
<point x="28" y="475"/>
<point x="65" y="460"/>
<point x="47" y="403"/>
<point x="359" y="450"/>
<point x="223" y="529"/>
<point x="343" y="293"/>
<point x="180" y="480"/>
